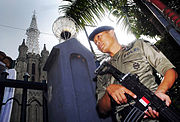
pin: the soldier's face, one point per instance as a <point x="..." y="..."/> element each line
<point x="104" y="40"/>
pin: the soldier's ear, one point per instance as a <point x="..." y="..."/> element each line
<point x="111" y="32"/>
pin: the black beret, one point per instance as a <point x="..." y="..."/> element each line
<point x="99" y="30"/>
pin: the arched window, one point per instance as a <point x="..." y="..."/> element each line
<point x="33" y="68"/>
<point x="34" y="110"/>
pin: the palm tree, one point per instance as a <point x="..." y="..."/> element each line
<point x="86" y="12"/>
<point x="135" y="15"/>
<point x="83" y="11"/>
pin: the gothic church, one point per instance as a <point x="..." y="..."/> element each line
<point x="30" y="61"/>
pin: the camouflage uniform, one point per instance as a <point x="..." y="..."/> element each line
<point x="137" y="58"/>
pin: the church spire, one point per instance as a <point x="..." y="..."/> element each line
<point x="44" y="47"/>
<point x="33" y="21"/>
<point x="32" y="36"/>
<point x="45" y="52"/>
<point x="22" y="51"/>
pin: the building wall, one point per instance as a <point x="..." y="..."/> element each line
<point x="24" y="63"/>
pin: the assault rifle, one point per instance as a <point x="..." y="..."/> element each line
<point x="145" y="97"/>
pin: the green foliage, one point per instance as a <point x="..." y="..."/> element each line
<point x="84" y="12"/>
<point x="135" y="15"/>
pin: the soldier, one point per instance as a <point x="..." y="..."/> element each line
<point x="139" y="57"/>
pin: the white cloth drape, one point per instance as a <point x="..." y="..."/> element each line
<point x="6" y="109"/>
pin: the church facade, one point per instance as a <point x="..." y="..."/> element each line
<point x="30" y="61"/>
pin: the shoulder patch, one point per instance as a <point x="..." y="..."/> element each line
<point x="152" y="45"/>
<point x="129" y="46"/>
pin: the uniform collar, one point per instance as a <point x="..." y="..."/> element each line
<point x="117" y="55"/>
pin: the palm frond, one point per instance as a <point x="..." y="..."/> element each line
<point x="87" y="12"/>
<point x="84" y="11"/>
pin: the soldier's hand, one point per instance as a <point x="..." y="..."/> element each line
<point x="164" y="97"/>
<point x="118" y="93"/>
<point x="153" y="113"/>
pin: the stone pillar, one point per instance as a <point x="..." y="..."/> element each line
<point x="71" y="89"/>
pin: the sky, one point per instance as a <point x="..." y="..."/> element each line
<point x="16" y="15"/>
